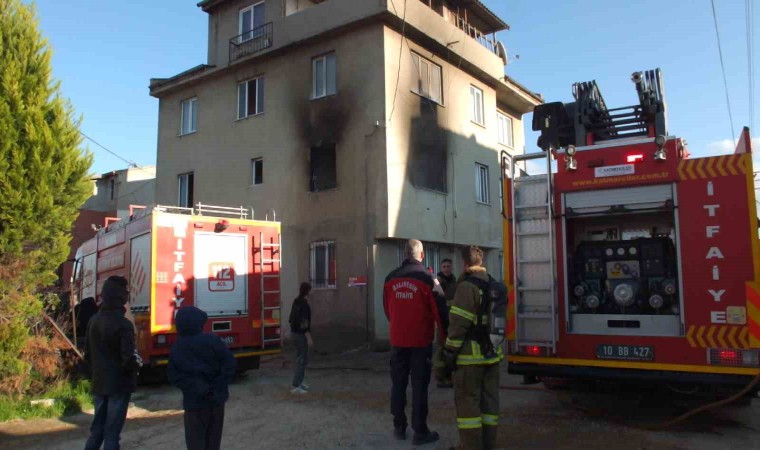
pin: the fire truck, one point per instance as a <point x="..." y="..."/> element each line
<point x="627" y="259"/>
<point x="212" y="257"/>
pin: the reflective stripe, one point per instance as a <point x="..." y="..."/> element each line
<point x="490" y="420"/>
<point x="469" y="422"/>
<point x="453" y="343"/>
<point x="475" y="350"/>
<point x="462" y="313"/>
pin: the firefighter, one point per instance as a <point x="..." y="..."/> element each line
<point x="449" y="285"/>
<point x="475" y="361"/>
<point x="413" y="303"/>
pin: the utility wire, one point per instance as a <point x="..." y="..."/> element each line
<point x="129" y="163"/>
<point x="723" y="68"/>
<point x="400" y="52"/>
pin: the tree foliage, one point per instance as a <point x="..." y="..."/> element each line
<point x="43" y="177"/>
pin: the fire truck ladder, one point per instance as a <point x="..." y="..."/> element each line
<point x="273" y="262"/>
<point x="534" y="257"/>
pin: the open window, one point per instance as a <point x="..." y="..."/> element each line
<point x="323" y="168"/>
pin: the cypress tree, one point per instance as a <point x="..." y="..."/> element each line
<point x="43" y="180"/>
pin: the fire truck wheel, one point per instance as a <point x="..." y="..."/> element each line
<point x="246" y="364"/>
<point x="152" y="375"/>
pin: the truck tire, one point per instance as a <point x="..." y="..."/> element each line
<point x="248" y="363"/>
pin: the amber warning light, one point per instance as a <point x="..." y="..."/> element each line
<point x="635" y="157"/>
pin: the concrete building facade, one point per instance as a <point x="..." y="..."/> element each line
<point x="361" y="124"/>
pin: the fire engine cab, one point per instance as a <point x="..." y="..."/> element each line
<point x="627" y="259"/>
<point x="214" y="258"/>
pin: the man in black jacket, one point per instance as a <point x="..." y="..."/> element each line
<point x="300" y="332"/>
<point x="113" y="360"/>
<point x="202" y="366"/>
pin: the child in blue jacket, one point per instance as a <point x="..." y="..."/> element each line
<point x="202" y="367"/>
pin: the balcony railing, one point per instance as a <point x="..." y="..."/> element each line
<point x="474" y="33"/>
<point x="251" y="42"/>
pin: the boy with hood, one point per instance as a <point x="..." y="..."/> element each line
<point x="202" y="367"/>
<point x="113" y="361"/>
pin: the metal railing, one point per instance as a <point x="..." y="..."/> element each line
<point x="251" y="42"/>
<point x="474" y="33"/>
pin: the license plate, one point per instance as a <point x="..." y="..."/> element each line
<point x="625" y="352"/>
<point x="228" y="340"/>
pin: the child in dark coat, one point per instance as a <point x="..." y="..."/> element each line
<point x="202" y="367"/>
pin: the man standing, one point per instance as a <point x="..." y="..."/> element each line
<point x="449" y="284"/>
<point x="413" y="304"/>
<point x="469" y="349"/>
<point x="110" y="352"/>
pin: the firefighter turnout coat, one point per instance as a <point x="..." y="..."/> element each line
<point x="476" y="378"/>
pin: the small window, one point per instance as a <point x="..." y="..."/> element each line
<point x="481" y="184"/>
<point x="112" y="188"/>
<point x="189" y="116"/>
<point x="476" y="102"/>
<point x="323" y="271"/>
<point x="257" y="171"/>
<point x="250" y="97"/>
<point x="428" y="78"/>
<point x="323" y="76"/>
<point x="185" y="182"/>
<point x="505" y="130"/>
<point x="323" y="169"/>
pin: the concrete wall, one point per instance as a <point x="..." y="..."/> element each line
<point x="220" y="152"/>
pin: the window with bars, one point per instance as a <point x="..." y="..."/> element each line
<point x="431" y="258"/>
<point x="323" y="267"/>
<point x="481" y="184"/>
<point x="250" y="97"/>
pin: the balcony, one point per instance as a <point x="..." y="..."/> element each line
<point x="485" y="41"/>
<point x="251" y="42"/>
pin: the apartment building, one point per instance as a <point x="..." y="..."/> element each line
<point x="360" y="124"/>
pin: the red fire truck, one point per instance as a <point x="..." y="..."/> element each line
<point x="627" y="259"/>
<point x="211" y="257"/>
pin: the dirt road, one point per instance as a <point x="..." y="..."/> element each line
<point x="348" y="408"/>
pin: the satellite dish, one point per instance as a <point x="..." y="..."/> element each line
<point x="501" y="52"/>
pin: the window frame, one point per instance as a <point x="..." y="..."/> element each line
<point x="325" y="58"/>
<point x="193" y="114"/>
<point x="482" y="190"/>
<point x="479" y="105"/>
<point x="417" y="63"/>
<point x="313" y="176"/>
<point x="189" y="189"/>
<point x="259" y="82"/>
<point x="253" y="171"/>
<point x="327" y="244"/>
<point x="431" y="258"/>
<point x="250" y="8"/>
<point x="510" y="129"/>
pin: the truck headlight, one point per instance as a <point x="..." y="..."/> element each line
<point x="623" y="294"/>
<point x="592" y="301"/>
<point x="656" y="301"/>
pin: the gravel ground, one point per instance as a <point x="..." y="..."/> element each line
<point x="348" y="407"/>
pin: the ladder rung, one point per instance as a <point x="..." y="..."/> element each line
<point x="270" y="260"/>
<point x="533" y="233"/>
<point x="271" y="325"/>
<point x="267" y="245"/>
<point x="270" y="292"/>
<point x="268" y="308"/>
<point x="540" y="205"/>
<point x="271" y="276"/>
<point x="534" y="315"/>
<point x="533" y="261"/>
<point x="521" y="288"/>
<point x="272" y="340"/>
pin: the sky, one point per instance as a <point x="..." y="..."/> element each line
<point x="106" y="51"/>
